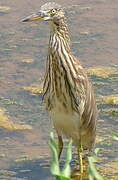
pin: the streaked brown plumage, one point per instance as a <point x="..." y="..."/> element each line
<point x="68" y="92"/>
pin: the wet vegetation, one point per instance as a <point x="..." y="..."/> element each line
<point x="66" y="173"/>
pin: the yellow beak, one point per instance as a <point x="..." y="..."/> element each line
<point x="33" y="17"/>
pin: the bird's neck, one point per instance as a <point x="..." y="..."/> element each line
<point x="59" y="33"/>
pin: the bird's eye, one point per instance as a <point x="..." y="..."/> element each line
<point x="53" y="11"/>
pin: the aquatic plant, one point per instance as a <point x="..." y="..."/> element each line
<point x="65" y="173"/>
<point x="115" y="136"/>
<point x="92" y="171"/>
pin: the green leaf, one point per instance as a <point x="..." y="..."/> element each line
<point x="93" y="173"/>
<point x="52" y="140"/>
<point x="69" y="152"/>
<point x="115" y="136"/>
<point x="97" y="150"/>
<point x="54" y="168"/>
<point x="67" y="170"/>
<point x="62" y="178"/>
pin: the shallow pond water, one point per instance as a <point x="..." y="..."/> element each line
<point x="93" y="28"/>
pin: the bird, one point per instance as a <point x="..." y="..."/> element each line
<point x="67" y="91"/>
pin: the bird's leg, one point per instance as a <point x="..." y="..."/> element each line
<point x="80" y="153"/>
<point x="60" y="145"/>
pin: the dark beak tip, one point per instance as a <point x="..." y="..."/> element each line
<point x="24" y="20"/>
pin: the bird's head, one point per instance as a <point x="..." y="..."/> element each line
<point x="48" y="12"/>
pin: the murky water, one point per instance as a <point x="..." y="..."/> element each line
<point x="93" y="28"/>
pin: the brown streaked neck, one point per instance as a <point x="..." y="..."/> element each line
<point x="60" y="29"/>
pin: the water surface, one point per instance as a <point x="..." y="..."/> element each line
<point x="93" y="28"/>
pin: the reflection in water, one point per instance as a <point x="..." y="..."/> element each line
<point x="76" y="175"/>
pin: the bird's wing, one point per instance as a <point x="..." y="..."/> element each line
<point x="86" y="101"/>
<point x="85" y="105"/>
<point x="82" y="90"/>
<point x="80" y="87"/>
